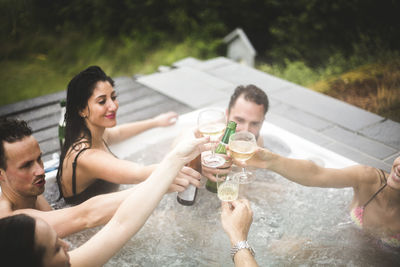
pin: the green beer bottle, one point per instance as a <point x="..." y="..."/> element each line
<point x="61" y="123"/>
<point x="221" y="149"/>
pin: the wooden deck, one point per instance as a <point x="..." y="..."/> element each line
<point x="136" y="102"/>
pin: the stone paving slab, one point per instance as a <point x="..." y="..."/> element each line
<point x="125" y="83"/>
<point x="204" y="66"/>
<point x="46" y="134"/>
<point x="132" y="95"/>
<point x="153" y="110"/>
<point x="357" y="156"/>
<point x="31" y="104"/>
<point x="140" y="104"/>
<point x="39" y="112"/>
<point x="49" y="147"/>
<point x="48" y="121"/>
<point x="387" y="132"/>
<point x="187" y="85"/>
<point x="327" y="108"/>
<point x="390" y="160"/>
<point x="298" y="129"/>
<point x="301" y="117"/>
<point x="238" y="74"/>
<point x="188" y="62"/>
<point x="361" y="143"/>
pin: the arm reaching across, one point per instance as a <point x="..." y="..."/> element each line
<point x="307" y="173"/>
<point x="93" y="212"/>
<point x="124" y="131"/>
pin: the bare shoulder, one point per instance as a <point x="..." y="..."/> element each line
<point x="42" y="204"/>
<point x="93" y="162"/>
<point x="76" y="148"/>
<point x="5" y="208"/>
<point x="364" y="174"/>
<point x="92" y="155"/>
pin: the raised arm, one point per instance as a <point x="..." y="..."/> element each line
<point x="135" y="210"/>
<point x="124" y="131"/>
<point x="91" y="213"/>
<point x="97" y="164"/>
<point x="307" y="173"/>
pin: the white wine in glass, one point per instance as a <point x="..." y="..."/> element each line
<point x="213" y="130"/>
<point x="243" y="145"/>
<point x="228" y="187"/>
<point x="212" y="123"/>
<point x="228" y="191"/>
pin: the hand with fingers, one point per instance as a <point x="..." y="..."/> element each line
<point x="211" y="173"/>
<point x="236" y="219"/>
<point x="185" y="177"/>
<point x="260" y="159"/>
<point x="166" y="119"/>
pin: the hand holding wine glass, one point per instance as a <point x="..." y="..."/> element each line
<point x="242" y="146"/>
<point x="227" y="187"/>
<point x="212" y="122"/>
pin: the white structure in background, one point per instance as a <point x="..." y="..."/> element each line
<point x="240" y="48"/>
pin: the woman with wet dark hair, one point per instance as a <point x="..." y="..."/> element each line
<point x="17" y="237"/>
<point x="87" y="166"/>
<point x="25" y="241"/>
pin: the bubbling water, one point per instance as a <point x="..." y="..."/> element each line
<point x="292" y="225"/>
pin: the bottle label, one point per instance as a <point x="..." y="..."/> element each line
<point x="188" y="194"/>
<point x="222" y="143"/>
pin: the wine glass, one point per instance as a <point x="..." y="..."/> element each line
<point x="212" y="123"/>
<point x="227" y="186"/>
<point x="242" y="146"/>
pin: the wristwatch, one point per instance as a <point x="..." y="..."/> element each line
<point x="241" y="245"/>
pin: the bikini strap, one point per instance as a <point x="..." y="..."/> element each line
<point x="74" y="170"/>
<point x="381" y="174"/>
<point x="109" y="150"/>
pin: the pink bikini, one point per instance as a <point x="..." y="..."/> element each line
<point x="357" y="215"/>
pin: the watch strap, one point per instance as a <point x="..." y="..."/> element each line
<point x="241" y="245"/>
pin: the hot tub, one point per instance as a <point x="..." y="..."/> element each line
<point x="292" y="224"/>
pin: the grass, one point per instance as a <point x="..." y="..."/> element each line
<point x="372" y="85"/>
<point x="38" y="74"/>
<point x="28" y="79"/>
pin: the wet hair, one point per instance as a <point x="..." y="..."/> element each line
<point x="250" y="93"/>
<point x="11" y="130"/>
<point x="17" y="242"/>
<point x="79" y="90"/>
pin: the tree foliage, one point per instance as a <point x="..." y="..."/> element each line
<point x="306" y="30"/>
